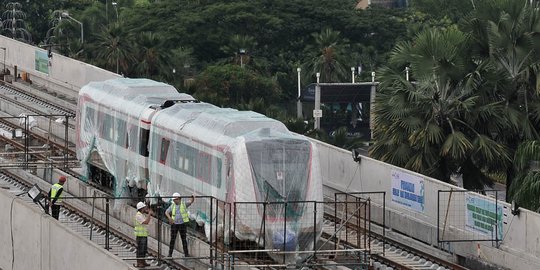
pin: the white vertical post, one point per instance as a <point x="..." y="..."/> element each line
<point x="299" y="102"/>
<point x="373" y="76"/>
<point x="352" y="74"/>
<point x="407" y="73"/>
<point x="317" y="103"/>
<point x="372" y="104"/>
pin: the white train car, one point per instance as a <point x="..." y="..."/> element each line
<point x="113" y="127"/>
<point x="165" y="142"/>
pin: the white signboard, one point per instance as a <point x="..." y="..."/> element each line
<point x="408" y="190"/>
<point x="484" y="216"/>
<point x="317" y="113"/>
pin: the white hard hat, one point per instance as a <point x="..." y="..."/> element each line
<point x="140" y="205"/>
<point x="176" y="195"/>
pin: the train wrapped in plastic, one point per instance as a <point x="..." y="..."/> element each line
<point x="152" y="138"/>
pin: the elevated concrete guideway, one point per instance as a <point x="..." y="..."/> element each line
<point x="518" y="247"/>
<point x="37" y="241"/>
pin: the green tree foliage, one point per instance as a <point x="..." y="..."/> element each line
<point x="432" y="126"/>
<point x="474" y="98"/>
<point x="454" y="9"/>
<point x="228" y="85"/>
<point x="116" y="48"/>
<point x="328" y="57"/>
<point x="275" y="33"/>
<point x="526" y="185"/>
<point x="150" y="60"/>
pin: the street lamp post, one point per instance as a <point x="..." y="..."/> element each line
<point x="317" y="114"/>
<point x="242" y="52"/>
<point x="4" y="69"/>
<point x="115" y="9"/>
<point x="66" y="15"/>
<point x="299" y="102"/>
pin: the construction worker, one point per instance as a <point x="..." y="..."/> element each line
<point x="141" y="232"/>
<point x="178" y="218"/>
<point x="55" y="196"/>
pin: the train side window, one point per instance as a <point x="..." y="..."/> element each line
<point x="182" y="158"/>
<point x="204" y="167"/>
<point x="186" y="165"/>
<point x="107" y="128"/>
<point x="143" y="139"/>
<point x="164" y="150"/>
<point x="90" y="113"/>
<point x="217" y="173"/>
<point x="189" y="154"/>
<point x="121" y="132"/>
<point x="131" y="136"/>
<point x="179" y="163"/>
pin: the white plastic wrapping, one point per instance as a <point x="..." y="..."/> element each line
<point x="198" y="148"/>
<point x="109" y="122"/>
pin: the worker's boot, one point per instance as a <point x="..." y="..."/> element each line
<point x="140" y="263"/>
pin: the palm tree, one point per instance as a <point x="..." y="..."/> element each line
<point x="152" y="58"/>
<point x="327" y="57"/>
<point x="240" y="46"/>
<point x="436" y="125"/>
<point x="526" y="185"/>
<point x="505" y="34"/>
<point x="115" y="51"/>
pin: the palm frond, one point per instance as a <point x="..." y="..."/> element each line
<point x="456" y="146"/>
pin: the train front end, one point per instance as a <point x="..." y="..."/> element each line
<point x="286" y="183"/>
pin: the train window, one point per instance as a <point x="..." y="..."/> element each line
<point x="188" y="153"/>
<point x="143" y="139"/>
<point x="217" y="171"/>
<point x="186" y="165"/>
<point x="90" y="113"/>
<point x="121" y="132"/>
<point x="177" y="157"/>
<point x="107" y="129"/>
<point x="164" y="150"/>
<point x="180" y="163"/>
<point x="132" y="136"/>
<point x="204" y="167"/>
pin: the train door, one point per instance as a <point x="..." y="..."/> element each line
<point x="143" y="146"/>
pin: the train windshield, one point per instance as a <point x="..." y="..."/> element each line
<point x="281" y="171"/>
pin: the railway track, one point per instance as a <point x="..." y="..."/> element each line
<point x="385" y="253"/>
<point x="47" y="105"/>
<point x="43" y="148"/>
<point x="76" y="219"/>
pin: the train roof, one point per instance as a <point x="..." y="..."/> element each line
<point x="131" y="94"/>
<point x="203" y="117"/>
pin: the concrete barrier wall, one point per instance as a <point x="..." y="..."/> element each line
<point x="41" y="242"/>
<point x="64" y="73"/>
<point x="520" y="248"/>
